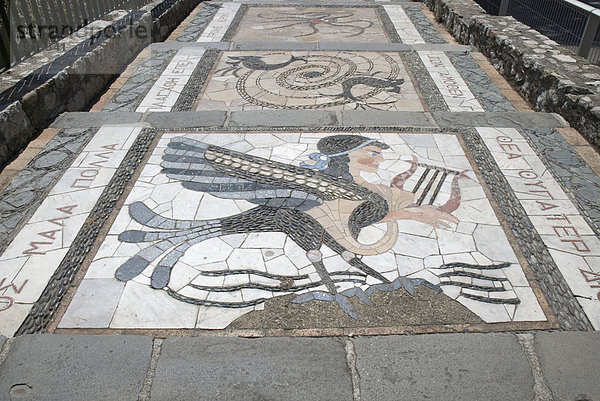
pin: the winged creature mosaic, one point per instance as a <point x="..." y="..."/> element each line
<point x="324" y="201"/>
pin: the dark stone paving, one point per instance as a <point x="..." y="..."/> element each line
<point x="132" y="92"/>
<point x="232" y="369"/>
<point x="443" y="367"/>
<point x="470" y="367"/>
<point x="59" y="367"/>
<point x="313" y="118"/>
<point x="570" y="364"/>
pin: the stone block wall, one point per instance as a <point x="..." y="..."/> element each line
<point x="74" y="87"/>
<point x="549" y="76"/>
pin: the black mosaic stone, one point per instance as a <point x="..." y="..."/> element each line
<point x="192" y="88"/>
<point x="42" y="311"/>
<point x="428" y="88"/>
<point x="235" y="23"/>
<point x="488" y="95"/>
<point x="389" y="27"/>
<point x="31" y="186"/>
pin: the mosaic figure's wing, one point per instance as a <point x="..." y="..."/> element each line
<point x="230" y="174"/>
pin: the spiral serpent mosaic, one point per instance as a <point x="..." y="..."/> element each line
<point x="316" y="80"/>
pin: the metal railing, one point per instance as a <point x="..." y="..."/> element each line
<point x="29" y="26"/>
<point x="570" y="23"/>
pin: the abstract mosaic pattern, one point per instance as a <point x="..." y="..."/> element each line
<point x="311" y="24"/>
<point x="218" y="224"/>
<point x="316" y="80"/>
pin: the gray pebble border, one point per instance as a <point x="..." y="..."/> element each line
<point x="48" y="303"/>
<point x="30" y="187"/>
<point x="235" y="23"/>
<point x="428" y="89"/>
<point x="388" y="26"/>
<point x="192" y="89"/>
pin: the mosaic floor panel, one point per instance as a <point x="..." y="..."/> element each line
<point x="310" y="80"/>
<point x="311" y="24"/>
<point x="218" y="226"/>
<point x="233" y="227"/>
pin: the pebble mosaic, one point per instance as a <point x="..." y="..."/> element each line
<point x="166" y="90"/>
<point x="497" y="227"/>
<point x="40" y="246"/>
<point x="191" y="238"/>
<point x="310" y="80"/>
<point x="311" y="24"/>
<point x="570" y="240"/>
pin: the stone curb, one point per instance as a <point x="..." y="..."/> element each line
<point x="309" y="119"/>
<point x="77" y="85"/>
<point x="546" y="74"/>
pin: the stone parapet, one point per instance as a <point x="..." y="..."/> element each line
<point x="70" y="75"/>
<point x="546" y="74"/>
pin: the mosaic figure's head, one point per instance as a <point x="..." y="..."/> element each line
<point x="342" y="151"/>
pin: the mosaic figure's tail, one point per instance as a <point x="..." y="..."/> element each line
<point x="175" y="243"/>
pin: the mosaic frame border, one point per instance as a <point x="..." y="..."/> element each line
<point x="557" y="292"/>
<point x="196" y="84"/>
<point x="198" y="24"/>
<point x="479" y="82"/>
<point x="550" y="146"/>
<point x="39" y="176"/>
<point x="422" y="24"/>
<point x="44" y="308"/>
<point x="141" y="90"/>
<point x="553" y="285"/>
<point x="235" y="23"/>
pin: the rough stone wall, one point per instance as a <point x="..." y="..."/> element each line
<point x="549" y="76"/>
<point x="73" y="88"/>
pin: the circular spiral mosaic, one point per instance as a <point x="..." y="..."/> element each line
<point x="315" y="81"/>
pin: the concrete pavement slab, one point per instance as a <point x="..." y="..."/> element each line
<point x="282" y="118"/>
<point x="88" y="120"/>
<point x="252" y="369"/>
<point x="65" y="367"/>
<point x="570" y="364"/>
<point x="498" y="119"/>
<point x="187" y="119"/>
<point x="443" y="367"/>
<point x="382" y="119"/>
